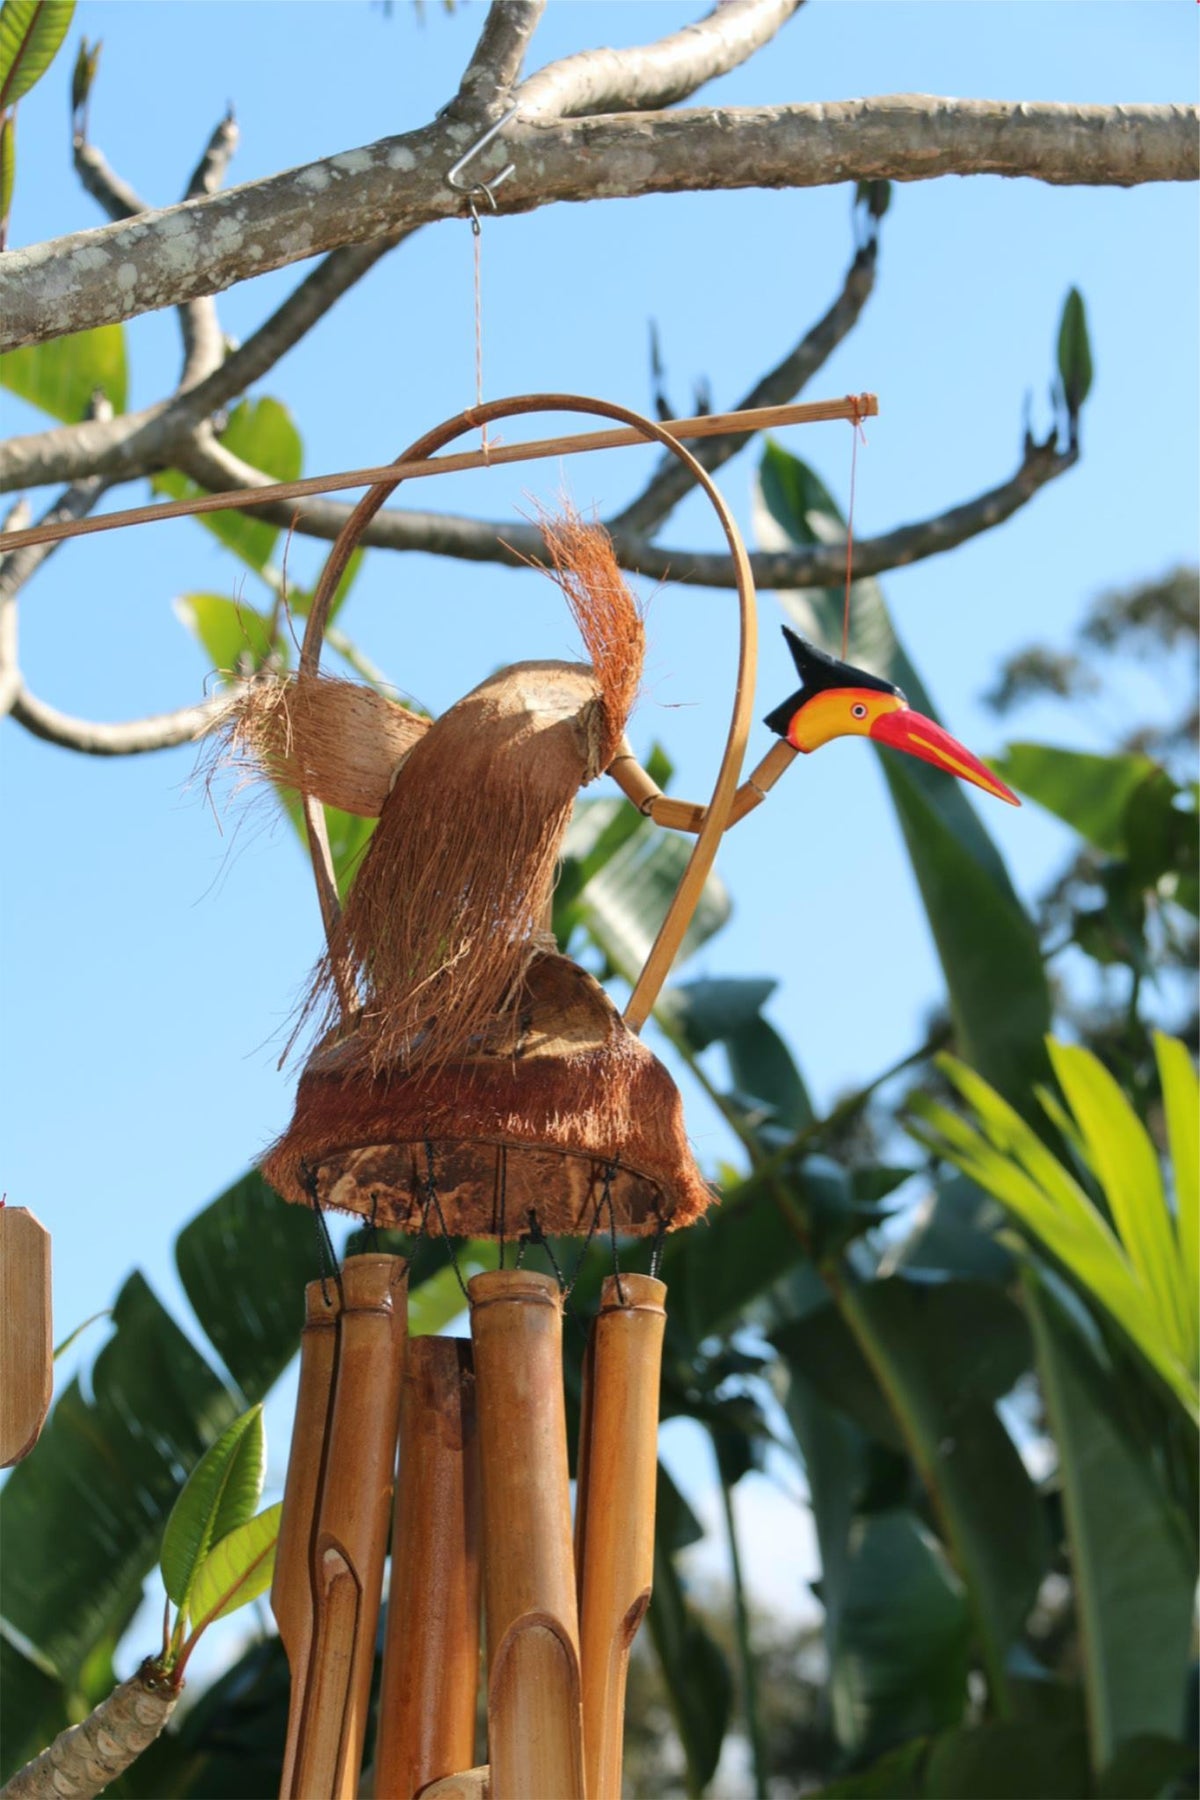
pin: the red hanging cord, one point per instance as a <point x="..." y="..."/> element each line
<point x="856" y="426"/>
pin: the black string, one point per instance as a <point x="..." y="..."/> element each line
<point x="326" y="1254"/>
<point x="431" y="1190"/>
<point x="656" y="1250"/>
<point x="372" y="1226"/>
<point x="612" y="1227"/>
<point x="610" y="1170"/>
<point x="538" y="1236"/>
<point x="503" y="1176"/>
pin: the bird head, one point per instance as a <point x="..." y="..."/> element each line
<point x="836" y="700"/>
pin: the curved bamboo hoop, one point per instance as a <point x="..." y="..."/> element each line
<point x="717" y="814"/>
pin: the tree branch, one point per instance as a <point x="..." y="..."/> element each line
<point x="135" y="737"/>
<point x="654" y="75"/>
<point x="671" y="481"/>
<point x="514" y="544"/>
<point x="498" y="55"/>
<point x="118" y="271"/>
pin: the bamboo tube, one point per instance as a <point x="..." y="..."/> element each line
<point x="26" y="1337"/>
<point x="431" y="1653"/>
<point x="350" y="1536"/>
<point x="756" y="787"/>
<point x="618" y="1463"/>
<point x="291" y="1586"/>
<point x="534" y="1717"/>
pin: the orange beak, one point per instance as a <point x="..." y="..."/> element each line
<point x="912" y="732"/>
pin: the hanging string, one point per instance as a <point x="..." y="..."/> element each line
<point x="477" y="242"/>
<point x="326" y="1254"/>
<point x="856" y="427"/>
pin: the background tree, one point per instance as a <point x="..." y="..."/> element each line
<point x="889" y="1342"/>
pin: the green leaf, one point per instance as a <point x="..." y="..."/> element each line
<point x="260" y="433"/>
<point x="33" y="1708"/>
<point x="1181" y="1102"/>
<point x="1134" y="1573"/>
<point x="1010" y="1162"/>
<point x="742" y="1250"/>
<point x="1013" y="1762"/>
<point x="699" y="1685"/>
<point x="1145" y="1765"/>
<point x="981" y="1492"/>
<point x="61" y="1349"/>
<point x="626" y="900"/>
<point x="236" y="637"/>
<point x="1119" y="1149"/>
<point x="30" y="34"/>
<point x="896" y="1776"/>
<point x="87" y="61"/>
<point x="87" y="1512"/>
<point x="762" y="1068"/>
<point x="1074" y="353"/>
<point x="900" y="1664"/>
<point x="61" y="376"/>
<point x="236" y="1570"/>
<point x="1089" y="793"/>
<point x="986" y="942"/>
<point x="220" y="1494"/>
<point x="8" y="169"/>
<point x="254" y="1324"/>
<point x="704" y="1011"/>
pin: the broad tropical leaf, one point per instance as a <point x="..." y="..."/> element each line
<point x="260" y="433"/>
<point x="236" y="637"/>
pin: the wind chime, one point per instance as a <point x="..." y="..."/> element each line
<point x="471" y="1081"/>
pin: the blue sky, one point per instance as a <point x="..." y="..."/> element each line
<point x="151" y="959"/>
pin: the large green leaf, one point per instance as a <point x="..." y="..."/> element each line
<point x="82" y="1519"/>
<point x="237" y="1569"/>
<point x="221" y="1493"/>
<point x="626" y="900"/>
<point x="712" y="1009"/>
<point x="30" y="34"/>
<point x="1006" y="1158"/>
<point x="699" y="1685"/>
<point x="1133" y="1568"/>
<point x="61" y="376"/>
<point x="900" y="1662"/>
<point x="244" y="1261"/>
<point x="1181" y="1102"/>
<point x="835" y="1454"/>
<point x="33" y="1708"/>
<point x="942" y="1404"/>
<point x="986" y="942"/>
<point x="8" y="170"/>
<point x="260" y="433"/>
<point x="1118" y="1148"/>
<point x="1090" y="793"/>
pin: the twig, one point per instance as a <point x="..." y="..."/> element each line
<point x="209" y="172"/>
<point x="654" y="75"/>
<point x="133" y="737"/>
<point x="498" y="55"/>
<point x="671" y="481"/>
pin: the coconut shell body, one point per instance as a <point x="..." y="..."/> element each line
<point x="555" y="1101"/>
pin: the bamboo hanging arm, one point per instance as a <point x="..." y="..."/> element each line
<point x="690" y="815"/>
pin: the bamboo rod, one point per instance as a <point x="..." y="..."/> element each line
<point x="618" y="1463"/>
<point x="760" y="418"/>
<point x="291" y="1586"/>
<point x="757" y="786"/>
<point x="26" y="1333"/>
<point x="350" y="1539"/>
<point x="431" y="1652"/>
<point x="534" y="1716"/>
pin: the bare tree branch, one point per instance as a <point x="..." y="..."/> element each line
<point x="209" y="172"/>
<point x="514" y="544"/>
<point x="671" y="481"/>
<point x="18" y="565"/>
<point x="654" y="75"/>
<point x="120" y="270"/>
<point x="16" y="519"/>
<point x="134" y="737"/>
<point x="498" y="55"/>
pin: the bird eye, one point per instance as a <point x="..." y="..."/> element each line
<point x="858" y="710"/>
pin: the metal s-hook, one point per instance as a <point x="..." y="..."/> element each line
<point x="486" y="188"/>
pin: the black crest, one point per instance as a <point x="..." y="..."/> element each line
<point x="817" y="671"/>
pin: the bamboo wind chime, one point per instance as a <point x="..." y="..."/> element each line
<point x="468" y="1080"/>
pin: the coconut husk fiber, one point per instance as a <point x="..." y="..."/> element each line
<point x="445" y="910"/>
<point x="555" y="1103"/>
